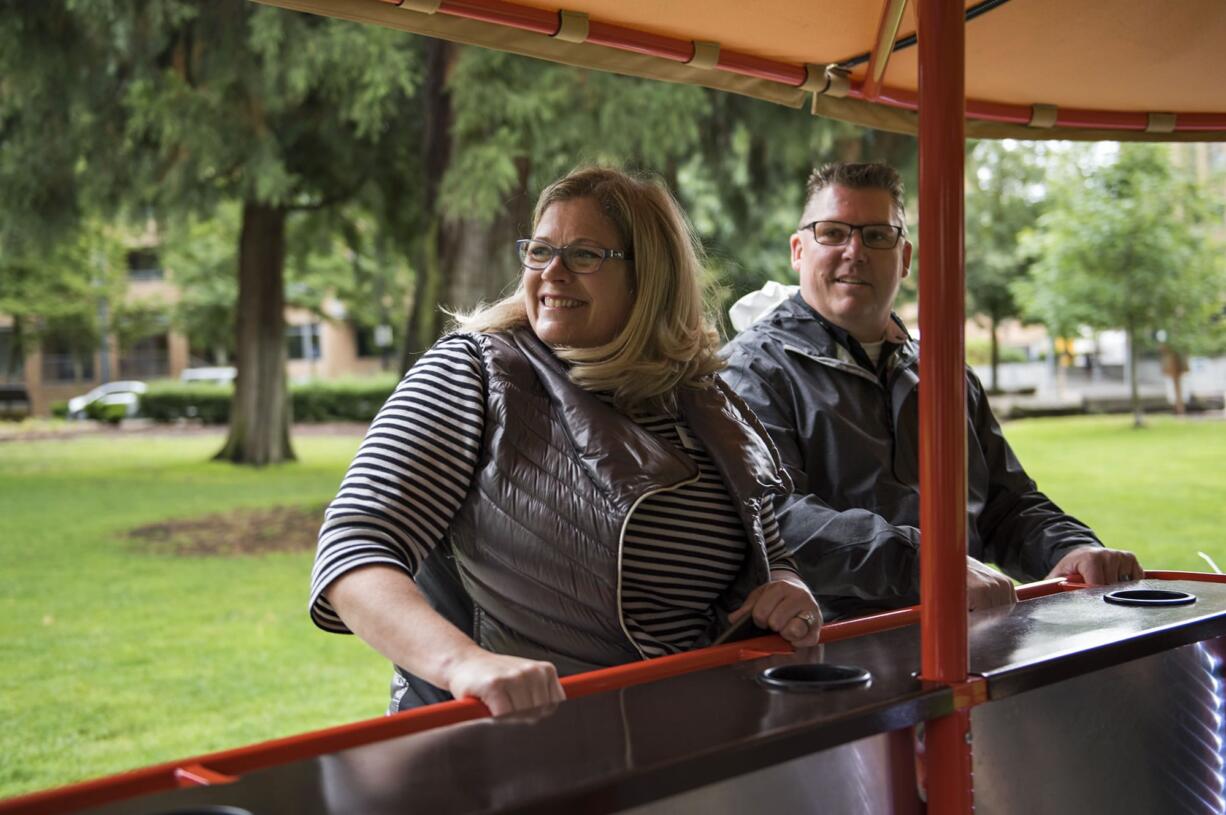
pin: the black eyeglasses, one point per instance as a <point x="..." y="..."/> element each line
<point x="579" y="258"/>
<point x="837" y="233"/>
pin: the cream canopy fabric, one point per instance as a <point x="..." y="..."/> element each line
<point x="1087" y="69"/>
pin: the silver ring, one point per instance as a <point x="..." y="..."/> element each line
<point x="808" y="618"/>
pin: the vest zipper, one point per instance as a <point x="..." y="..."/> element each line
<point x="621" y="548"/>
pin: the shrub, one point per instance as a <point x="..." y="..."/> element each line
<point x="59" y="410"/>
<point x="101" y="412"/>
<point x="172" y="401"/>
<point x="979" y="352"/>
<point x="341" y="401"/>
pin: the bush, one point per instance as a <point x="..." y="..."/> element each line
<point x="979" y="352"/>
<point x="172" y="401"/>
<point x="59" y="410"/>
<point x="101" y="412"/>
<point x="342" y="401"/>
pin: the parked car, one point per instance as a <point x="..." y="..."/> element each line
<point x="14" y="401"/>
<point x="100" y="402"/>
<point x="219" y="375"/>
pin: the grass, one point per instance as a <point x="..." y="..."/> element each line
<point x="116" y="658"/>
<point x="1159" y="491"/>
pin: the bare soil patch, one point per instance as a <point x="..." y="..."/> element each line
<point x="231" y="534"/>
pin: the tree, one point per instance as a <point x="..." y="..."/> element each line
<point x="228" y="101"/>
<point x="1004" y="198"/>
<point x="57" y="294"/>
<point x="1125" y="246"/>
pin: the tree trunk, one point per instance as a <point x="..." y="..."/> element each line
<point x="1173" y="366"/>
<point x="260" y="412"/>
<point x="479" y="263"/>
<point x="995" y="356"/>
<point x="422" y="322"/>
<point x="1134" y="394"/>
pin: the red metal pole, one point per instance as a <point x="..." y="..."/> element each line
<point x="942" y="404"/>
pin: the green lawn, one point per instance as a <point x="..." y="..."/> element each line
<point x="116" y="658"/>
<point x="1159" y="491"/>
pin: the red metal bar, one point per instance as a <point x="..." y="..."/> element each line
<point x="1176" y="575"/>
<point x="942" y="403"/>
<point x="947" y="752"/>
<point x="640" y="42"/>
<point x="942" y="406"/>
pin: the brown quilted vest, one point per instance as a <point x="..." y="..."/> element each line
<point x="538" y="540"/>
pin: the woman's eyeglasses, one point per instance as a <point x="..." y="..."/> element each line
<point x="580" y="258"/>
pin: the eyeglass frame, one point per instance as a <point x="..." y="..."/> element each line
<point x="899" y="231"/>
<point x="559" y="252"/>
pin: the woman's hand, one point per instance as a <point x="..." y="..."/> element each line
<point x="784" y="605"/>
<point x="504" y="684"/>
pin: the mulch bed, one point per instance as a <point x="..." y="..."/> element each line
<point x="235" y="533"/>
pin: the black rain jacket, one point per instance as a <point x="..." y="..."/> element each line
<point x="849" y="439"/>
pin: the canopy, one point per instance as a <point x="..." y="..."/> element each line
<point x="1035" y="69"/>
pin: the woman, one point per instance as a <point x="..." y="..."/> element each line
<point x="565" y="485"/>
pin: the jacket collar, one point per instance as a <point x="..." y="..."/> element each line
<point x="823" y="337"/>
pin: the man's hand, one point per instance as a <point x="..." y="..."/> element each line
<point x="1097" y="566"/>
<point x="987" y="587"/>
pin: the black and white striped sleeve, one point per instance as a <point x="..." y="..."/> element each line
<point x="776" y="553"/>
<point x="410" y="474"/>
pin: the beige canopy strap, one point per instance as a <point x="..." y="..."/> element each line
<point x="423" y="6"/>
<point x="1160" y="123"/>
<point x="572" y="26"/>
<point x="1043" y="116"/>
<point x="828" y="80"/>
<point x="706" y="55"/>
<point x="887" y="34"/>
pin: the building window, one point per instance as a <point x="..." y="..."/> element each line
<point x="147" y="358"/>
<point x="302" y="341"/>
<point x="144" y="264"/>
<point x="12" y="366"/>
<point x="62" y="363"/>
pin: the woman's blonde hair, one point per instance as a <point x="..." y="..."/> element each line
<point x="669" y="340"/>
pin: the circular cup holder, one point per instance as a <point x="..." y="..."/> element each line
<point x="1149" y="597"/>
<point x="814" y="676"/>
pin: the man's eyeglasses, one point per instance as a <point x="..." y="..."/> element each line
<point x="579" y="258"/>
<point x="837" y="233"/>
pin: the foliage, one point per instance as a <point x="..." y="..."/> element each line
<point x="133" y="321"/>
<point x="200" y="254"/>
<point x="979" y="352"/>
<point x="172" y="402"/>
<point x="339" y="401"/>
<point x="53" y="291"/>
<point x="1004" y="196"/>
<point x="1124" y="246"/>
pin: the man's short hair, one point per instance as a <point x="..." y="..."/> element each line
<point x="871" y="176"/>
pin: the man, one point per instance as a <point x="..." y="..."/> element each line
<point x="833" y="375"/>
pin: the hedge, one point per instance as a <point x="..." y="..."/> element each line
<point x="341" y="401"/>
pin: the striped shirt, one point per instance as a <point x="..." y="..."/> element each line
<point x="682" y="547"/>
